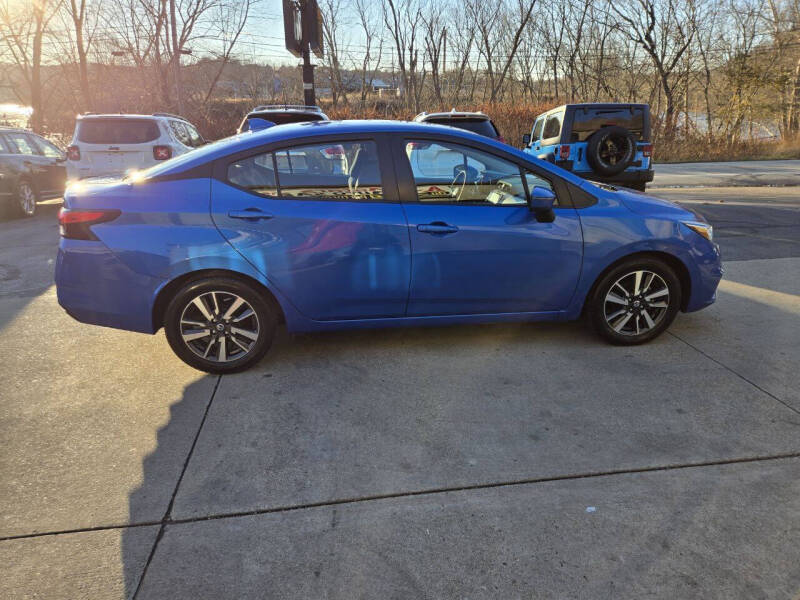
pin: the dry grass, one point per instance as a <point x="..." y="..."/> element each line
<point x="221" y="118"/>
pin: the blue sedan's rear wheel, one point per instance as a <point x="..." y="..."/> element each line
<point x="219" y="325"/>
<point x="636" y="301"/>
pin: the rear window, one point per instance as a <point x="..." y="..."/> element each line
<point x="284" y="118"/>
<point x="586" y="121"/>
<point x="117" y="131"/>
<point x="479" y="126"/>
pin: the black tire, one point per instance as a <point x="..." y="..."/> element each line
<point x="608" y="316"/>
<point x="25" y="199"/>
<point x="226" y="355"/>
<point x="610" y="150"/>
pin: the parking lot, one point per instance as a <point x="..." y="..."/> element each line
<point x="497" y="461"/>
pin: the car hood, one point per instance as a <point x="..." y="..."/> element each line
<point x="651" y="206"/>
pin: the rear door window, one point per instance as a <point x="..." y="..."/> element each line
<point x="118" y="131"/>
<point x="326" y="171"/>
<point x="256" y="174"/>
<point x="586" y="121"/>
<point x="20" y="143"/>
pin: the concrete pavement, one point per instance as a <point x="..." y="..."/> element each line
<point x="467" y="462"/>
<point x="727" y="174"/>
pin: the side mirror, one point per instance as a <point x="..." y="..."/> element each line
<point x="542" y="201"/>
<point x="526" y="139"/>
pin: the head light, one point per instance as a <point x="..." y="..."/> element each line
<point x="704" y="229"/>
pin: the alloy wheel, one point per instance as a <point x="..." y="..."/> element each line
<point x="636" y="302"/>
<point x="219" y="326"/>
<point x="27" y="199"/>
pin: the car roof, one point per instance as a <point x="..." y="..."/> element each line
<point x="453" y="114"/>
<point x="131" y="116"/>
<point x="587" y="105"/>
<point x="288" y="108"/>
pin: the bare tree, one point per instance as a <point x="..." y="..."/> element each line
<point x="23" y="27"/>
<point x="663" y="30"/>
<point x="497" y="47"/>
<point x="402" y="18"/>
<point x="369" y="63"/>
<point x="331" y="30"/>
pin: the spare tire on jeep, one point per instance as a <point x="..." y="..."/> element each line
<point x="611" y="150"/>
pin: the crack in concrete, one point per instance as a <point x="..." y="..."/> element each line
<point x="167" y="518"/>
<point x="407" y="494"/>
<point x="739" y="375"/>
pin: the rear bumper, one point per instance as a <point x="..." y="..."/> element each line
<point x="95" y="287"/>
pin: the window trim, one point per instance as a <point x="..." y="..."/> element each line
<point x="388" y="178"/>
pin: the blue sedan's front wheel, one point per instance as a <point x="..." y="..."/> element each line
<point x="636" y="301"/>
<point x="219" y="325"/>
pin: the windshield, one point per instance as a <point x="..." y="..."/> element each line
<point x="476" y="125"/>
<point x="117" y="131"/>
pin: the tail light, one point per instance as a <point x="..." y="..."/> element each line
<point x="647" y="150"/>
<point x="76" y="224"/>
<point x="563" y="152"/>
<point x="73" y="153"/>
<point x="162" y="152"/>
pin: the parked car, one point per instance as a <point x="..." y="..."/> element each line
<point x="114" y="144"/>
<point x="603" y="142"/>
<point x="477" y="122"/>
<point x="31" y="169"/>
<point x="280" y="114"/>
<point x="220" y="245"/>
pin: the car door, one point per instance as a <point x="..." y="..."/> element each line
<point x="33" y="163"/>
<point x="322" y="222"/>
<point x="477" y="248"/>
<point x="55" y="169"/>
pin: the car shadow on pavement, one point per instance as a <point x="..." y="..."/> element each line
<point x="27" y="259"/>
<point x="162" y="472"/>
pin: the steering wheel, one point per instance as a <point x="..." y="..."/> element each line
<point x="457" y="195"/>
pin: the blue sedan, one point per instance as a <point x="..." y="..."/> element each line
<point x="352" y="224"/>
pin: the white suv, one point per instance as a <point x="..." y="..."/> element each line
<point x="109" y="145"/>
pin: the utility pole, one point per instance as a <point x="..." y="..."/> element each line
<point x="308" y="75"/>
<point x="302" y="26"/>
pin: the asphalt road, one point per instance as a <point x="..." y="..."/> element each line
<point x="728" y="174"/>
<point x="503" y="461"/>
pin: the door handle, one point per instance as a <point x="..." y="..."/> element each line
<point x="251" y="214"/>
<point x="437" y="227"/>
